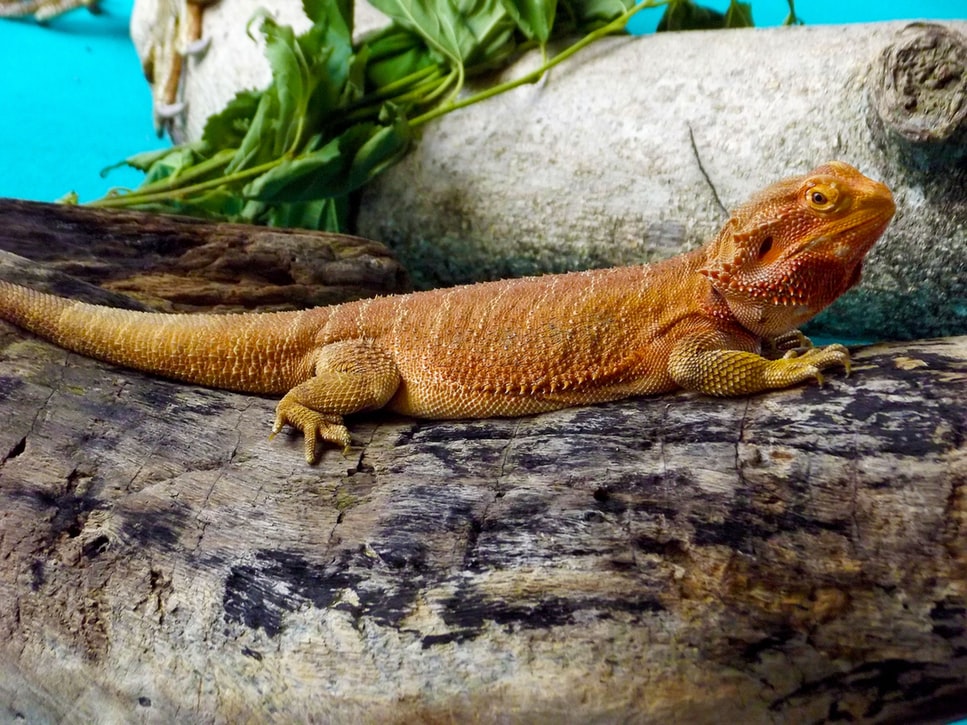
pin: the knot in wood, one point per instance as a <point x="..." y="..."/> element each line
<point x="921" y="89"/>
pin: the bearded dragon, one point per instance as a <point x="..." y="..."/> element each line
<point x="722" y="320"/>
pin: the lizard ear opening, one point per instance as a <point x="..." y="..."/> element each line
<point x="765" y="247"/>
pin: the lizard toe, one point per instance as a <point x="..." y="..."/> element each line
<point x="315" y="426"/>
<point x="790" y="342"/>
<point x="799" y="365"/>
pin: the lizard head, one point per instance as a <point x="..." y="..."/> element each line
<point x="796" y="246"/>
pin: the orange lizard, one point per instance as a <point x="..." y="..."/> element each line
<point x="722" y="320"/>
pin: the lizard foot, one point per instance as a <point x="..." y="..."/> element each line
<point x="798" y="365"/>
<point x="314" y="426"/>
<point x="775" y="347"/>
<point x="738" y="372"/>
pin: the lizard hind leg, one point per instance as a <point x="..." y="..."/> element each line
<point x="350" y="376"/>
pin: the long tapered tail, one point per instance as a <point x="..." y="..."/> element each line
<point x="251" y="352"/>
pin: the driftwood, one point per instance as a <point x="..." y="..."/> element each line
<point x="790" y="557"/>
<point x="181" y="264"/>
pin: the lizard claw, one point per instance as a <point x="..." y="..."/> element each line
<point x="199" y="47"/>
<point x="314" y="426"/>
<point x="782" y="345"/>
<point x="798" y="365"/>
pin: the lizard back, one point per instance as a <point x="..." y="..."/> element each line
<point x="518" y="346"/>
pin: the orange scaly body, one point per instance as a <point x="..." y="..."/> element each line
<point x="515" y="347"/>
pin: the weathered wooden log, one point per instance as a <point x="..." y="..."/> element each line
<point x="178" y="263"/>
<point x="789" y="557"/>
<point x="920" y="96"/>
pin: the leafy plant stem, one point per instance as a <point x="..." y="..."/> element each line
<point x="390" y="89"/>
<point x="369" y="106"/>
<point x="326" y="126"/>
<point x="535" y="75"/>
<point x="458" y="86"/>
<point x="212" y="165"/>
<point x="146" y="196"/>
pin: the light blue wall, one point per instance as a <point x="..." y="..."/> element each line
<point x="774" y="12"/>
<point x="74" y="101"/>
<point x="74" y="98"/>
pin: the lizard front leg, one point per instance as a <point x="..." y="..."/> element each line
<point x="350" y="376"/>
<point x="695" y="365"/>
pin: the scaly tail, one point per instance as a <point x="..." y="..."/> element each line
<point x="251" y="352"/>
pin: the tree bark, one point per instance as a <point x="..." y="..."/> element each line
<point x="790" y="557"/>
<point x="177" y="263"/>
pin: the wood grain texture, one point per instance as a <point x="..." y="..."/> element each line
<point x="180" y="264"/>
<point x="792" y="556"/>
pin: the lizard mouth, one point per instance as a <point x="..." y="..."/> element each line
<point x="857" y="234"/>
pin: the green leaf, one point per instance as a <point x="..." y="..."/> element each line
<point x="380" y="151"/>
<point x="331" y="215"/>
<point x="228" y="127"/>
<point x="396" y="54"/>
<point x="170" y="164"/>
<point x="327" y="48"/>
<point x="290" y="84"/>
<point x="319" y="11"/>
<point x="338" y="168"/>
<point x="355" y="87"/>
<point x="336" y="215"/>
<point x="253" y="149"/>
<point x="142" y="162"/>
<point x="220" y="203"/>
<point x="739" y="15"/>
<point x="298" y="179"/>
<point x="686" y="15"/>
<point x="419" y="17"/>
<point x="270" y="126"/>
<point x="591" y="14"/>
<point x="309" y="81"/>
<point x="465" y="32"/>
<point x="535" y="18"/>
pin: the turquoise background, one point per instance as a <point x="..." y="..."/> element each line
<point x="74" y="99"/>
<point x="816" y="12"/>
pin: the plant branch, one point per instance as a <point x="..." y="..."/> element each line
<point x="614" y="26"/>
<point x="141" y="197"/>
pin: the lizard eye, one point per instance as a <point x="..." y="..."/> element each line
<point x="822" y="197"/>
